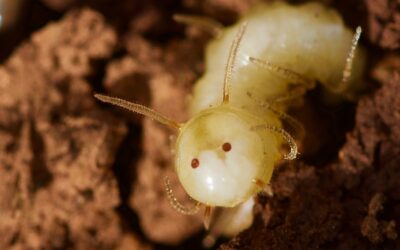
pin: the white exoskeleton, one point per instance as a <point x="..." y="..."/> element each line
<point x="227" y="151"/>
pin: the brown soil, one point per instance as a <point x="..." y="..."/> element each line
<point x="76" y="174"/>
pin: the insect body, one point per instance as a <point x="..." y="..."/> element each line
<point x="227" y="151"/>
<point x="309" y="40"/>
<point x="228" y="156"/>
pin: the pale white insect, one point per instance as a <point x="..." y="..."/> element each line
<point x="227" y="151"/>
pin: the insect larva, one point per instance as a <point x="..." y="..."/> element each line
<point x="227" y="151"/>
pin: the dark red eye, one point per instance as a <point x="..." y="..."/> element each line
<point x="195" y="163"/>
<point x="226" y="147"/>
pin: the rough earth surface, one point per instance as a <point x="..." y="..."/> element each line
<point x="76" y="174"/>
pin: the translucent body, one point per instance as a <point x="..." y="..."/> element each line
<point x="227" y="151"/>
<point x="224" y="178"/>
<point x="309" y="39"/>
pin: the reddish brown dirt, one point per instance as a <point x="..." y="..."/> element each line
<point x="76" y="174"/>
<point x="384" y="23"/>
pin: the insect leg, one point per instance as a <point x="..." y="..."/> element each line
<point x="208" y="24"/>
<point x="207" y="217"/>
<point x="229" y="221"/>
<point x="292" y="93"/>
<point x="176" y="204"/>
<point x="291" y="121"/>
<point x="265" y="188"/>
<point x="301" y="83"/>
<point x="289" y="139"/>
<point x="284" y="72"/>
<point x="297" y="127"/>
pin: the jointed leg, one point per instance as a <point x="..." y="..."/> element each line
<point x="293" y="93"/>
<point x="291" y="121"/>
<point x="207" y="217"/>
<point x="265" y="188"/>
<point x="284" y="72"/>
<point x="301" y="83"/>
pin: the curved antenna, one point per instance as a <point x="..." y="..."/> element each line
<point x="231" y="61"/>
<point x="289" y="139"/>
<point x="209" y="24"/>
<point x="349" y="62"/>
<point x="176" y="204"/>
<point x="140" y="109"/>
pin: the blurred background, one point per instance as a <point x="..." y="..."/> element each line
<point x="76" y="174"/>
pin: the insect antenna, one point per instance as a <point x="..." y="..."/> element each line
<point x="231" y="61"/>
<point x="349" y="62"/>
<point x="140" y="109"/>
<point x="176" y="204"/>
<point x="289" y="139"/>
